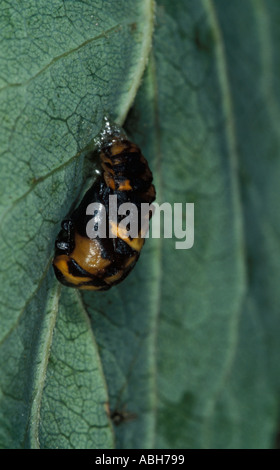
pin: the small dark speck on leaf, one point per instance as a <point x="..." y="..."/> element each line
<point x="120" y="416"/>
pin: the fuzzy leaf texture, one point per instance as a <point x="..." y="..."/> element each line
<point x="187" y="346"/>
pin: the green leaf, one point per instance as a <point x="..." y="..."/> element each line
<point x="64" y="66"/>
<point x="191" y="354"/>
<point x="248" y="406"/>
<point x="171" y="329"/>
<point x="187" y="346"/>
<point x="73" y="402"/>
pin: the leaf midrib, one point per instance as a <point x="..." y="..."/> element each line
<point x="32" y="431"/>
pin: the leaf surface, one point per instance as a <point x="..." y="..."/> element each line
<point x="186" y="348"/>
<point x="64" y="66"/>
<point x="169" y="332"/>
